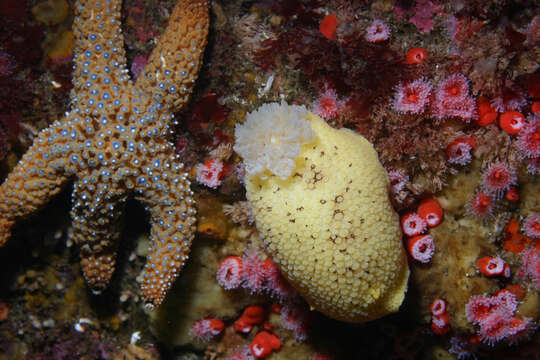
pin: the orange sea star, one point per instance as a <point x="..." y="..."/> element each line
<point x="114" y="142"/>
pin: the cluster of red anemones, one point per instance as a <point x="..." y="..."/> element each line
<point x="508" y="109"/>
<point x="451" y="98"/>
<point x="440" y="318"/>
<point x="265" y="341"/>
<point x="495" y="316"/>
<point x="294" y="317"/>
<point x="204" y="132"/>
<point x="414" y="224"/>
<point x="509" y="115"/>
<point x="261" y="276"/>
<point x="255" y="274"/>
<point x="262" y="345"/>
<point x="498" y="180"/>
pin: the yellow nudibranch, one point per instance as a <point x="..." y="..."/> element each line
<point x="319" y="197"/>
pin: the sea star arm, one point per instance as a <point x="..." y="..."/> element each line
<point x="114" y="141"/>
<point x="100" y="58"/>
<point x="36" y="178"/>
<point x="174" y="63"/>
<point x="98" y="206"/>
<point x="168" y="200"/>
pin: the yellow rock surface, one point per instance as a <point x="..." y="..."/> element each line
<point x="331" y="228"/>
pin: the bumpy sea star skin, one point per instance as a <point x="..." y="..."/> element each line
<point x="113" y="142"/>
